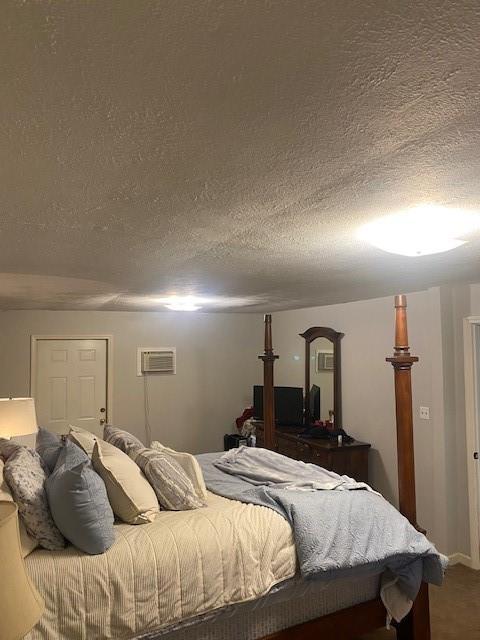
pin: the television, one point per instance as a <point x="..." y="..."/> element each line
<point x="314" y="403"/>
<point x="288" y="403"/>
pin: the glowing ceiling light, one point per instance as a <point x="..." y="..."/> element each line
<point x="421" y="230"/>
<point x="177" y="302"/>
<point x="183" y="303"/>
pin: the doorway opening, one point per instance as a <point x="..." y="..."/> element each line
<point x="471" y="336"/>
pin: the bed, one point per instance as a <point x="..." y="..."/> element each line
<point x="155" y="583"/>
<point x="228" y="570"/>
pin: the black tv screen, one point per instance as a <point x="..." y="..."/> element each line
<point x="288" y="405"/>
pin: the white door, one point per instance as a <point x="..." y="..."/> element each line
<point x="71" y="384"/>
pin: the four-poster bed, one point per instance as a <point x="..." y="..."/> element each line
<point x="242" y="566"/>
<point x="348" y="624"/>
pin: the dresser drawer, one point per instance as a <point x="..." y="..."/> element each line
<point x="288" y="447"/>
<point x="305" y="452"/>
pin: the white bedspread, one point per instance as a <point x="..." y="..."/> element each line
<point x="182" y="565"/>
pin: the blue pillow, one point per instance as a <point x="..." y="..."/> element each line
<point x="48" y="446"/>
<point x="78" y="502"/>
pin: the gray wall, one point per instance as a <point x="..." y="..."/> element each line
<point x="216" y="367"/>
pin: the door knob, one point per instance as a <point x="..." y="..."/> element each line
<point x="102" y="421"/>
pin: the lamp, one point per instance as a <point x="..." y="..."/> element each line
<point x="17" y="417"/>
<point x="20" y="604"/>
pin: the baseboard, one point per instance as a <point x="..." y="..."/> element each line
<point x="461" y="558"/>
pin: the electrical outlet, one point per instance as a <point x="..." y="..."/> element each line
<point x="425" y="413"/>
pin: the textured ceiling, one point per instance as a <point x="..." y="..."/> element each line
<point x="229" y="148"/>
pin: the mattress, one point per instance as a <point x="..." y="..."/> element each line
<point x="289" y="603"/>
<point x="181" y="566"/>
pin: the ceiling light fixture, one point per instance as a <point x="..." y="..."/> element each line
<point x="421" y="230"/>
<point x="183" y="303"/>
<point x="177" y="302"/>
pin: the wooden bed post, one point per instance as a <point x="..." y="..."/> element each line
<point x="268" y="358"/>
<point x="416" y="626"/>
<point x="402" y="363"/>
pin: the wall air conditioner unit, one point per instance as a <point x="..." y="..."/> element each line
<point x="161" y="360"/>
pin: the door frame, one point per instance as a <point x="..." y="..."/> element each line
<point x="471" y="345"/>
<point x="34" y="339"/>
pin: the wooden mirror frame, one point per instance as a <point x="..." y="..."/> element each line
<point x="335" y="337"/>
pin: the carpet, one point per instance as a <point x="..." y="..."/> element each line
<point x="454" y="608"/>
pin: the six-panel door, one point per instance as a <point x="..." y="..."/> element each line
<point x="71" y="384"/>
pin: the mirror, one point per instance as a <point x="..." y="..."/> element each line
<point x="323" y="375"/>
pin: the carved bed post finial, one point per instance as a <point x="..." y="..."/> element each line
<point x="268" y="333"/>
<point x="268" y="358"/>
<point x="401" y="331"/>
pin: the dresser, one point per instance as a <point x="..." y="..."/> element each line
<point x="346" y="459"/>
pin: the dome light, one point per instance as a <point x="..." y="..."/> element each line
<point x="421" y="230"/>
<point x="183" y="303"/>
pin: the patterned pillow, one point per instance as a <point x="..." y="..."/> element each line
<point x="8" y="448"/>
<point x="27" y="543"/>
<point x="190" y="465"/>
<point x="79" y="503"/>
<point x="173" y="487"/>
<point x="25" y="475"/>
<point x="120" y="438"/>
<point x="48" y="446"/>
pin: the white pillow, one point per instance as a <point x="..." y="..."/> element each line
<point x="84" y="439"/>
<point x="132" y="498"/>
<point x="190" y="465"/>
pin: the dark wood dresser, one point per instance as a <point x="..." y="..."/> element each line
<point x="346" y="459"/>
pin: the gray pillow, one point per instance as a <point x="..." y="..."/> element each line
<point x="79" y="503"/>
<point x="48" y="446"/>
<point x="121" y="439"/>
<point x="25" y="474"/>
<point x="173" y="487"/>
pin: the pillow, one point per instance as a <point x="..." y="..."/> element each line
<point x="27" y="543"/>
<point x="133" y="500"/>
<point x="25" y="475"/>
<point x="79" y="503"/>
<point x="190" y="465"/>
<point x="48" y="446"/>
<point x="120" y="439"/>
<point x="7" y="448"/>
<point x="171" y="484"/>
<point x="84" y="439"/>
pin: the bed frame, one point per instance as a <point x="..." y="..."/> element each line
<point x="350" y="623"/>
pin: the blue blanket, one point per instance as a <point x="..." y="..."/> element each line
<point x="341" y="533"/>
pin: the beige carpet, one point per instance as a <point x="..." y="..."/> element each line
<point x="454" y="608"/>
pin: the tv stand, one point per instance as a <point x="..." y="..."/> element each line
<point x="346" y="459"/>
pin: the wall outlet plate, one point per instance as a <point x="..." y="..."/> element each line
<point x="425" y="413"/>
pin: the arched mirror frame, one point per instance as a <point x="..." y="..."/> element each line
<point x="335" y="337"/>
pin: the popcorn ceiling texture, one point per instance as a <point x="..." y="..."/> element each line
<point x="229" y="148"/>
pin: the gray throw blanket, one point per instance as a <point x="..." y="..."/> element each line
<point x="339" y="531"/>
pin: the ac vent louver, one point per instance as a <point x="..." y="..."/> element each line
<point x="162" y="361"/>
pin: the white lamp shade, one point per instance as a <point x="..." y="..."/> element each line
<point x="17" y="417"/>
